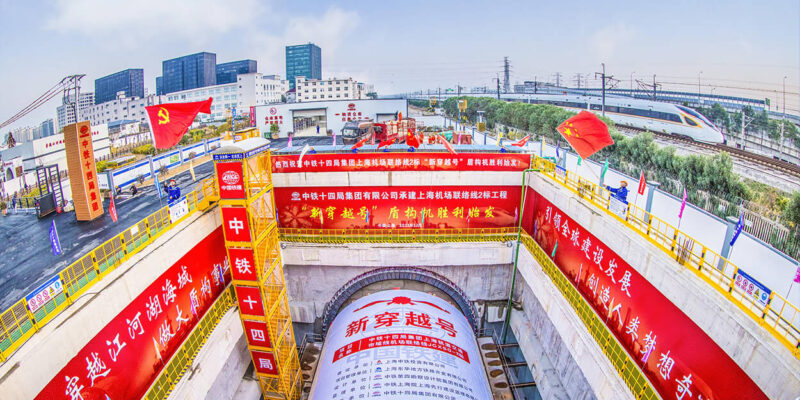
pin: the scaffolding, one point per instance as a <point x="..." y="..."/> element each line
<point x="245" y="181"/>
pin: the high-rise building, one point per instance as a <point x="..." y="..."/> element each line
<point x="159" y="85"/>
<point x="303" y="60"/>
<point x="227" y="72"/>
<point x="189" y="72"/>
<point x="66" y="111"/>
<point x="129" y="81"/>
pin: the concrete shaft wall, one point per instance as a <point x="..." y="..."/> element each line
<point x="765" y="359"/>
<point x="562" y="355"/>
<point x="28" y="370"/>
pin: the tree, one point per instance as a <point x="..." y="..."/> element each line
<point x="274" y="128"/>
<point x="10" y="142"/>
<point x="792" y="212"/>
<point x="372" y="95"/>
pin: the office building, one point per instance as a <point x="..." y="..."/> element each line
<point x="121" y="108"/>
<point x="30" y="133"/>
<point x="327" y="89"/>
<point x="188" y="72"/>
<point x="303" y="60"/>
<point x="249" y="90"/>
<point x="227" y="72"/>
<point x="66" y="111"/>
<point x="129" y="81"/>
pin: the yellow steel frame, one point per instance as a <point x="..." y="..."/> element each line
<point x="260" y="206"/>
<point x="17" y="324"/>
<point x="779" y="317"/>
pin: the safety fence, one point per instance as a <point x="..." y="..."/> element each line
<point x="775" y="314"/>
<point x="626" y="367"/>
<point x="29" y="314"/>
<point x="180" y="362"/>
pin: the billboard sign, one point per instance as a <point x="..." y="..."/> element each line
<point x="382" y="207"/>
<point x="676" y="355"/>
<point x="44" y="293"/>
<point x="406" y="345"/>
<point x="82" y="172"/>
<point x="416" y="161"/>
<point x="128" y="354"/>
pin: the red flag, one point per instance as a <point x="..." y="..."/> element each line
<point x="642" y="183"/>
<point x="522" y="142"/>
<point x="169" y="122"/>
<point x="386" y="142"/>
<point x="112" y="210"/>
<point x="411" y="140"/>
<point x="586" y="133"/>
<point x="359" y="144"/>
<point x="446" y="144"/>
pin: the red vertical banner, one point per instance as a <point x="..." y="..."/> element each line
<point x="243" y="265"/>
<point x="126" y="356"/>
<point x="231" y="180"/>
<point x="250" y="302"/>
<point x="676" y="355"/>
<point x="257" y="333"/>
<point x="264" y="362"/>
<point x="252" y="116"/>
<point x="235" y="224"/>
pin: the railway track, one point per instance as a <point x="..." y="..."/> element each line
<point x="779" y="165"/>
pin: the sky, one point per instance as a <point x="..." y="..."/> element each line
<point x="731" y="47"/>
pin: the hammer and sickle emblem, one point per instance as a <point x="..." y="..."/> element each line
<point x="163" y="116"/>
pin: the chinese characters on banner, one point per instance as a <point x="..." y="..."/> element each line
<point x="82" y="173"/>
<point x="401" y="162"/>
<point x="678" y="357"/>
<point x="382" y="207"/>
<point x="124" y="358"/>
<point x="400" y="344"/>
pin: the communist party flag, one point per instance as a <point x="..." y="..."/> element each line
<point x="169" y="122"/>
<point x="586" y="133"/>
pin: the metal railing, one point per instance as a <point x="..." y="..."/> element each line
<point x="778" y="316"/>
<point x="634" y="378"/>
<point x="18" y="323"/>
<point x="180" y="362"/>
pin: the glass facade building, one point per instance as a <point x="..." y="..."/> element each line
<point x="303" y="60"/>
<point x="227" y="72"/>
<point x="188" y="72"/>
<point x="130" y="81"/>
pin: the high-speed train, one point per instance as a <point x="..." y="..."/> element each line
<point x="645" y="114"/>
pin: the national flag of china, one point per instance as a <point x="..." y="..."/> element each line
<point x="586" y="133"/>
<point x="169" y="122"/>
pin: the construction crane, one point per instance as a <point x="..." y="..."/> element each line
<point x="65" y="86"/>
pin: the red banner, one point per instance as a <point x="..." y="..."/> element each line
<point x="676" y="355"/>
<point x="230" y="179"/>
<point x="381" y="207"/>
<point x="416" y="161"/>
<point x="126" y="356"/>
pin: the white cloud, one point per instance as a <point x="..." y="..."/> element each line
<point x="605" y="41"/>
<point x="327" y="31"/>
<point x="132" y="21"/>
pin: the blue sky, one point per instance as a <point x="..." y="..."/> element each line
<point x="737" y="45"/>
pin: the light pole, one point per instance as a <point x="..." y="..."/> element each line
<point x="632" y="72"/>
<point x="698" y="87"/>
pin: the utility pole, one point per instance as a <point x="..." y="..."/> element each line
<point x="506" y="75"/>
<point x="604" y="77"/>
<point x="654" y="86"/>
<point x="632" y="72"/>
<point x="698" y="87"/>
<point x="498" y="87"/>
<point x="783" y="123"/>
<point x="459" y="106"/>
<point x="558" y="79"/>
<point x="578" y="79"/>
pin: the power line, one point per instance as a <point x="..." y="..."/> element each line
<point x="54" y="91"/>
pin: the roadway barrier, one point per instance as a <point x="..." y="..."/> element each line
<point x="19" y="322"/>
<point x="777" y="315"/>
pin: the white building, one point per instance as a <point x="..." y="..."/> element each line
<point x="316" y="118"/>
<point x="326" y="89"/>
<point x="50" y="150"/>
<point x="122" y="108"/>
<point x="66" y="112"/>
<point x="249" y="90"/>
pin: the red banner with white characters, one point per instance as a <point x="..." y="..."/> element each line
<point x="416" y="161"/>
<point x="676" y="355"/>
<point x="126" y="356"/>
<point x="381" y="207"/>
